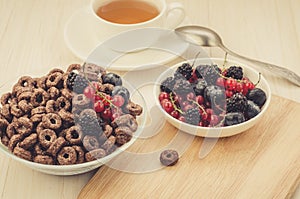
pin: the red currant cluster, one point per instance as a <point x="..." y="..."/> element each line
<point x="109" y="107"/>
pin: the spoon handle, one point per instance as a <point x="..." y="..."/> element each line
<point x="283" y="72"/>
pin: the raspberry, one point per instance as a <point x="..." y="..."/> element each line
<point x="235" y="72"/>
<point x="237" y="103"/>
<point x="193" y="116"/>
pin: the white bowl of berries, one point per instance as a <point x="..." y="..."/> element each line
<point x="210" y="97"/>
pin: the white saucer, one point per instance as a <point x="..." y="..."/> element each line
<point x="83" y="42"/>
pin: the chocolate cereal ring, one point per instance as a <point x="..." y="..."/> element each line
<point x="22" y="153"/>
<point x="74" y="67"/>
<point x="66" y="93"/>
<point x="56" y="70"/>
<point x="106" y="88"/>
<point x="123" y="135"/>
<point x="90" y="142"/>
<point x="11" y="130"/>
<point x="46" y="137"/>
<point x="169" y="157"/>
<point x="25" y="96"/>
<point x="94" y="68"/>
<point x="5" y="140"/>
<point x="54" y="79"/>
<point x="29" y="141"/>
<point x="6" y="98"/>
<point x="37" y="118"/>
<point x="38" y="150"/>
<point x="53" y="92"/>
<point x="14" y="140"/>
<point x="15" y="110"/>
<point x="63" y="103"/>
<point x="25" y="106"/>
<point x="107" y="131"/>
<point x="126" y="120"/>
<point x="56" y="146"/>
<point x="43" y="159"/>
<point x="41" y="82"/>
<point x="38" y="110"/>
<point x="3" y="126"/>
<point x="110" y="142"/>
<point x="67" y="156"/>
<point x="52" y="121"/>
<point x="134" y="109"/>
<point x="40" y="127"/>
<point x="51" y="106"/>
<point x="81" y="101"/>
<point x="95" y="154"/>
<point x="23" y="126"/>
<point x="91" y="76"/>
<point x="39" y="97"/>
<point x="80" y="154"/>
<point x="5" y="112"/>
<point x="25" y="81"/>
<point x="74" y="135"/>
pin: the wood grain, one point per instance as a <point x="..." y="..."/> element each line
<point x="262" y="162"/>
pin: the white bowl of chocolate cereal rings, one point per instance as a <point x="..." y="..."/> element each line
<point x="69" y="122"/>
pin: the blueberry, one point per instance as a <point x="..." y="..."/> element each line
<point x="200" y="86"/>
<point x="258" y="96"/>
<point x="233" y="118"/>
<point x="121" y="90"/>
<point x="252" y="110"/>
<point x="112" y="78"/>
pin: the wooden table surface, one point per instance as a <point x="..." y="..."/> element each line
<point x="31" y="39"/>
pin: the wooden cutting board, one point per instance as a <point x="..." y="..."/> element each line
<point x="263" y="162"/>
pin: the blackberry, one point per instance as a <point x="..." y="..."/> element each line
<point x="167" y="85"/>
<point x="199" y="87"/>
<point x="210" y="73"/>
<point x="235" y="72"/>
<point x="237" y="103"/>
<point x="182" y="87"/>
<point x="185" y="70"/>
<point x="192" y="116"/>
<point x="121" y="90"/>
<point x="258" y="96"/>
<point x="233" y="118"/>
<point x="90" y="124"/>
<point x="76" y="83"/>
<point x="252" y="110"/>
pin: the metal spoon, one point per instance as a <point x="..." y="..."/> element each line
<point x="203" y="36"/>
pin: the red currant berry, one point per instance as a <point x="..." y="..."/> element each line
<point x="164" y="101"/>
<point x="115" y="116"/>
<point x="199" y="99"/>
<point x="89" y="92"/>
<point x="118" y="100"/>
<point x="214" y="120"/>
<point x="181" y="118"/>
<point x="99" y="106"/>
<point x="175" y="114"/>
<point x="168" y="106"/>
<point x="96" y="85"/>
<point x="106" y="114"/>
<point x="239" y="87"/>
<point x="107" y="100"/>
<point x="98" y="97"/>
<point x="190" y="96"/>
<point x="220" y="82"/>
<point x="230" y="84"/>
<point x="163" y="95"/>
<point x="228" y="93"/>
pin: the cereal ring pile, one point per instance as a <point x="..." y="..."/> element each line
<point x="69" y="117"/>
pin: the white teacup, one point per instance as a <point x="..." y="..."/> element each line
<point x="170" y="15"/>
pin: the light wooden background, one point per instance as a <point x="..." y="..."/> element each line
<point x="31" y="40"/>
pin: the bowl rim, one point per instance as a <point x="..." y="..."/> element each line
<point x="263" y="79"/>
